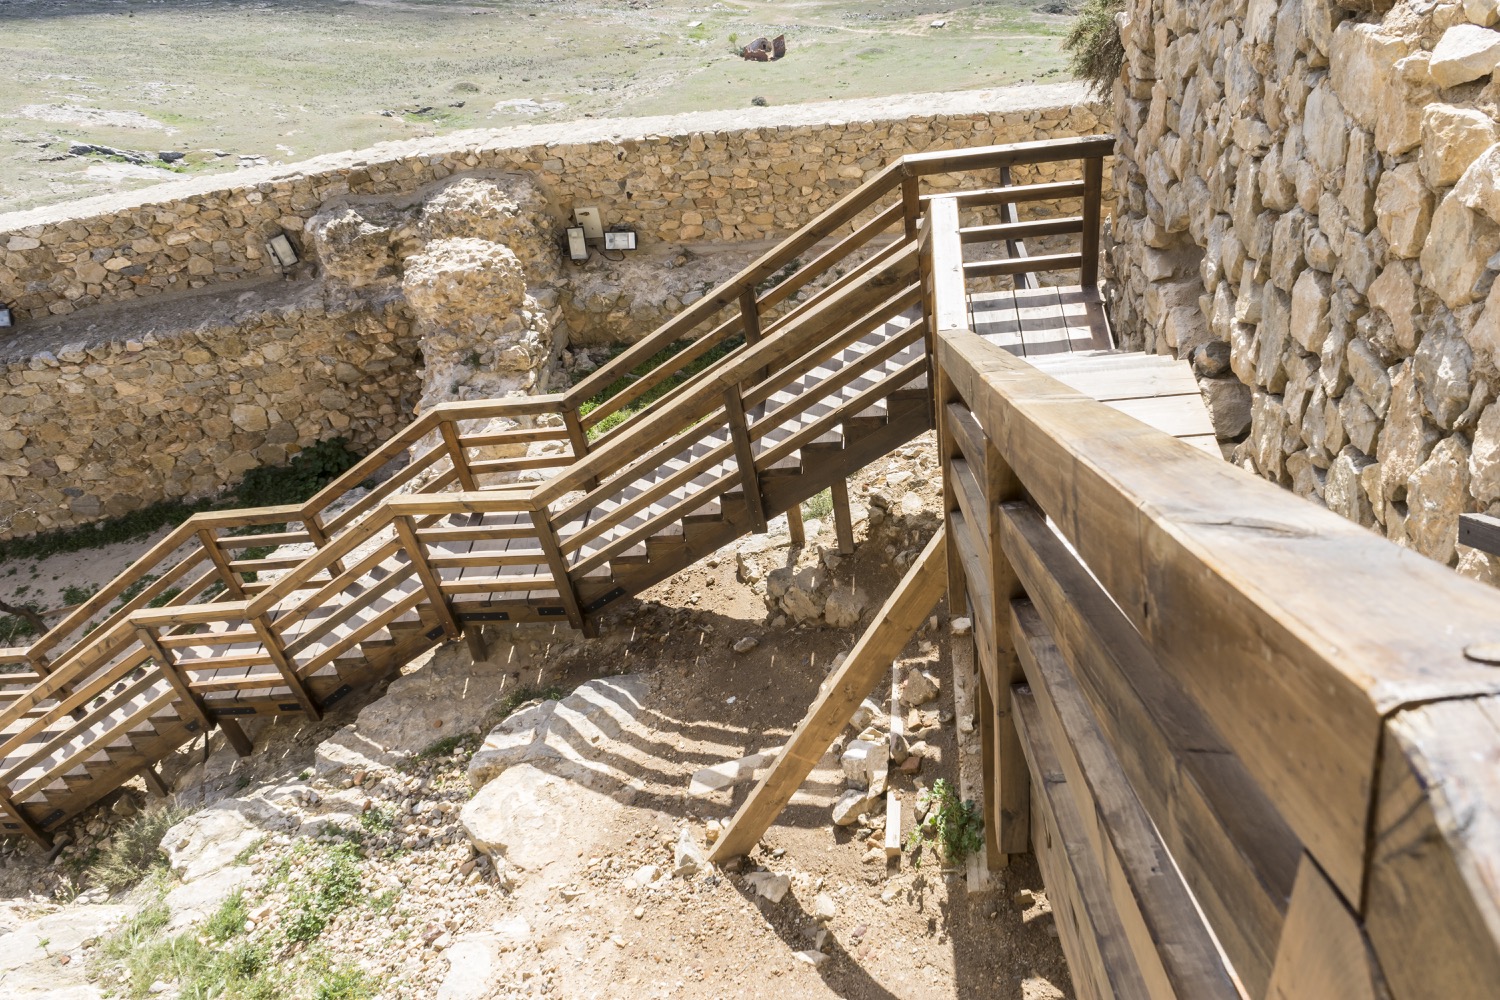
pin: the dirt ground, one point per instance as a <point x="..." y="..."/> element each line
<point x="896" y="929"/>
<point x="318" y="76"/>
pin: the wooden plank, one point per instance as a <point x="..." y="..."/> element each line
<point x="1324" y="952"/>
<point x="456" y="455"/>
<point x="994" y="319"/>
<point x="1093" y="194"/>
<point x="1022" y="265"/>
<point x="947" y="268"/>
<point x="1175" y="951"/>
<point x="1433" y="913"/>
<point x="192" y="706"/>
<point x="1237" y="855"/>
<point x="288" y="670"/>
<point x="230" y="579"/>
<point x="1006" y="231"/>
<point x="1088" y="323"/>
<point x="1480" y="531"/>
<point x="1099" y="957"/>
<point x="431" y="585"/>
<point x="744" y="456"/>
<point x="843" y="517"/>
<point x="1179" y="416"/>
<point x="1043" y="330"/>
<point x="236" y="737"/>
<point x="891" y="629"/>
<point x="1215" y="568"/>
<point x="1012" y="193"/>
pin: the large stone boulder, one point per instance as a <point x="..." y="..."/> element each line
<point x="354" y="245"/>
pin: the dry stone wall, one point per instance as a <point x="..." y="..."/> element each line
<point x="1309" y="198"/>
<point x="96" y="425"/>
<point x="709" y="177"/>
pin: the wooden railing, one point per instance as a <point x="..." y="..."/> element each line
<point x="196" y="603"/>
<point x="1255" y="748"/>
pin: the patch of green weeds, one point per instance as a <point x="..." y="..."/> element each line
<point x="134" y="851"/>
<point x="334" y="887"/>
<point x="818" y="506"/>
<point x="954" y="827"/>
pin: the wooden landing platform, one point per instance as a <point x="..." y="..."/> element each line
<point x="1065" y="332"/>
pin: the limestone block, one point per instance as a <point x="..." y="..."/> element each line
<point x="1403" y="209"/>
<point x="1326" y="129"/>
<point x="1395" y="294"/>
<point x="1342" y="491"/>
<point x="1484" y="335"/>
<point x="1407" y="437"/>
<point x="1271" y="338"/>
<point x="1360" y="66"/>
<point x="1398" y="123"/>
<point x="1484" y="459"/>
<point x="1482" y="12"/>
<point x="1465" y="52"/>
<point x="1453" y="138"/>
<point x="1443" y="363"/>
<point x="1310" y="302"/>
<point x="1436" y="493"/>
<point x="1360" y="422"/>
<point x="1267" y="429"/>
<point x="1370" y="375"/>
<point x="1479" y="187"/>
<point x="1456" y="252"/>
<point x="1228" y="401"/>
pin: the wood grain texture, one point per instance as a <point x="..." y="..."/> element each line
<point x="1324" y="952"/>
<point x="1241" y="590"/>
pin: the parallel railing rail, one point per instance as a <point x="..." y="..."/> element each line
<point x="200" y="630"/>
<point x="1252" y="744"/>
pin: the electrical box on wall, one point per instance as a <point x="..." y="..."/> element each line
<point x="578" y="248"/>
<point x="591" y="221"/>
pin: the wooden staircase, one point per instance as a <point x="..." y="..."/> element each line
<point x="532" y="509"/>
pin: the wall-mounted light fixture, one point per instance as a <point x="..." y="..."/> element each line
<point x="619" y="239"/>
<point x="281" y="250"/>
<point x="6" y="320"/>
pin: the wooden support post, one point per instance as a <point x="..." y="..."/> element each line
<point x="914" y="597"/>
<point x="578" y="438"/>
<point x="286" y="668"/>
<point x="1093" y="197"/>
<point x="29" y="828"/>
<point x="430" y="582"/>
<point x="456" y="455"/>
<point x="559" y="567"/>
<point x="191" y="705"/>
<point x="154" y="782"/>
<point x="236" y="737"/>
<point x="744" y="455"/>
<point x="843" y="517"/>
<point x="474" y="639"/>
<point x="794" y="524"/>
<point x="750" y="316"/>
<point x="319" y="536"/>
<point x="911" y="204"/>
<point x="230" y="578"/>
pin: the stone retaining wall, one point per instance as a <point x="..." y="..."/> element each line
<point x="713" y="176"/>
<point x="1310" y="209"/>
<point x="175" y="361"/>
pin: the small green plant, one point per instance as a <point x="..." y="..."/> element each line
<point x="229" y="919"/>
<point x="955" y="827"/>
<point x="334" y="888"/>
<point x="759" y="102"/>
<point x="734" y="42"/>
<point x="1097" y="54"/>
<point x="243" y="858"/>
<point x="77" y="595"/>
<point x="377" y="820"/>
<point x="135" y="850"/>
<point x="820" y="505"/>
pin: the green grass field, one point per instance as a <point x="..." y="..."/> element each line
<point x="289" y="79"/>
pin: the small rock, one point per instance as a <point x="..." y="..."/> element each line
<point x="644" y="876"/>
<point x="688" y="856"/>
<point x="824" y="909"/>
<point x="770" y="885"/>
<point x="812" y="958"/>
<point x="847" y="809"/>
<point x="920" y="687"/>
<point x="1025" y="898"/>
<point x="961" y="626"/>
<point x="746" y="644"/>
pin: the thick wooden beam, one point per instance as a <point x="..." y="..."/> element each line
<point x="1324" y="952"/>
<point x="914" y="597"/>
<point x="843" y="517"/>
<point x="236" y="737"/>
<point x="744" y="456"/>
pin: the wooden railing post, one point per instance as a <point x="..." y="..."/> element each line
<point x="1093" y="198"/>
<point x="286" y="667"/>
<point x="552" y="550"/>
<point x="1007" y="777"/>
<point x="744" y="454"/>
<point x="750" y="316"/>
<point x="192" y="706"/>
<point x="319" y="535"/>
<point x="456" y="454"/>
<point x="229" y="577"/>
<point x="417" y="553"/>
<point x="911" y="204"/>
